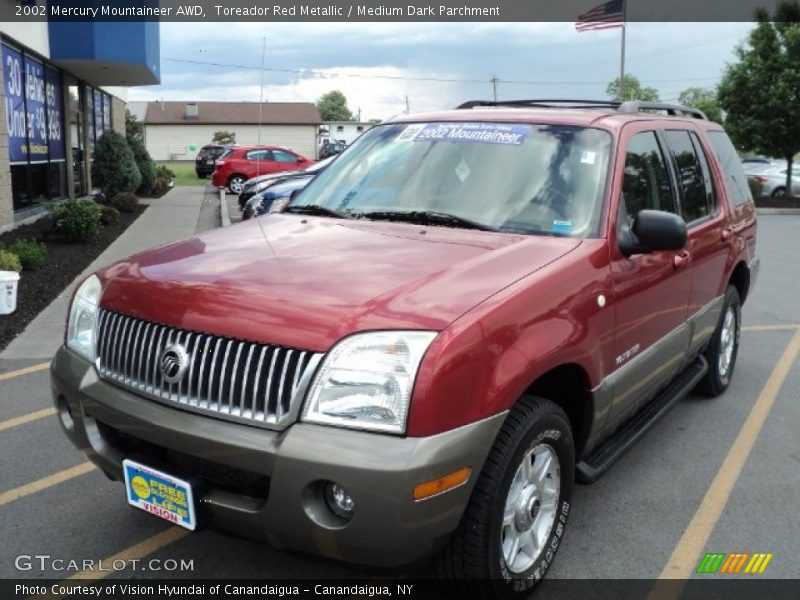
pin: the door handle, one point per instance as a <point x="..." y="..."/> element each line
<point x="680" y="261"/>
<point x="727" y="234"/>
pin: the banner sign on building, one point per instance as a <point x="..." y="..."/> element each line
<point x="98" y="114"/>
<point x="106" y="112"/>
<point x="14" y="88"/>
<point x="36" y="107"/>
<point x="55" y="130"/>
<point x="33" y="105"/>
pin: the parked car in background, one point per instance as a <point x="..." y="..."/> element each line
<point x="332" y="148"/>
<point x="206" y="158"/>
<point x="275" y="197"/>
<point x="772" y="180"/>
<point x="238" y="165"/>
<point x="258" y="184"/>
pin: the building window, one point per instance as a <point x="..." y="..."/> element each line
<point x="33" y="97"/>
<point x="359" y="128"/>
<point x="340" y="128"/>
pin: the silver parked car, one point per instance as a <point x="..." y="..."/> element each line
<point x="773" y="179"/>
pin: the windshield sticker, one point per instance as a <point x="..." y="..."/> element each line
<point x="588" y="157"/>
<point x="462" y="170"/>
<point x="564" y="227"/>
<point x="482" y="133"/>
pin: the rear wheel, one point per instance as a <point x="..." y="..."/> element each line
<point x="779" y="192"/>
<point x="516" y="517"/>
<point x="235" y="184"/>
<point x="724" y="346"/>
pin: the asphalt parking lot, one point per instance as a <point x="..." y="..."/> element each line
<point x="717" y="475"/>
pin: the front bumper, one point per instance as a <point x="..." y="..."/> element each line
<point x="267" y="485"/>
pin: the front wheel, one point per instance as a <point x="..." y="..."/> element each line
<point x="779" y="192"/>
<point x="724" y="346"/>
<point x="516" y="517"/>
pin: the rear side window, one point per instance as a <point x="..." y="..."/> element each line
<point x="731" y="166"/>
<point x="259" y="155"/>
<point x="645" y="184"/>
<point x="694" y="180"/>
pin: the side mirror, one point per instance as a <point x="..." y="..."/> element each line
<point x="653" y="231"/>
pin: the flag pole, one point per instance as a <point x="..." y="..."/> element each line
<point x="622" y="57"/>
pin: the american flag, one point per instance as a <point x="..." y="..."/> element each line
<point x="604" y="16"/>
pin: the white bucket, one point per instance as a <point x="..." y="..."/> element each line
<point x="8" y="292"/>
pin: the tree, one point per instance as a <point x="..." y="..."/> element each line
<point x="702" y="99"/>
<point x="114" y="169"/>
<point x="633" y="90"/>
<point x="145" y="163"/>
<point x="134" y="128"/>
<point x="333" y="107"/>
<point x="224" y="137"/>
<point x="760" y="94"/>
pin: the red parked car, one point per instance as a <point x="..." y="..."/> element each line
<point x="464" y="314"/>
<point x="237" y="165"/>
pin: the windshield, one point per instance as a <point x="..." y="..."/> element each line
<point x="520" y="178"/>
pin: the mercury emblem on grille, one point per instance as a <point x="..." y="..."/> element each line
<point x="173" y="363"/>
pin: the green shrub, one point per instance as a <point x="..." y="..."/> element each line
<point x="165" y="171"/>
<point x="31" y="254"/>
<point x="9" y="262"/>
<point x="108" y="215"/>
<point x="114" y="169"/>
<point x="147" y="168"/>
<point x="125" y="202"/>
<point x="77" y="220"/>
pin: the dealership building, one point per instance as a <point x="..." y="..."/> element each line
<point x="63" y="85"/>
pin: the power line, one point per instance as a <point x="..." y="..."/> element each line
<point x="493" y="80"/>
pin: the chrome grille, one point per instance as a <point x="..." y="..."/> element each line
<point x="227" y="378"/>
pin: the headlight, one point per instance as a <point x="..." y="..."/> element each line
<point x="366" y="380"/>
<point x="82" y="318"/>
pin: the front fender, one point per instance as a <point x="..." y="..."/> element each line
<point x="484" y="362"/>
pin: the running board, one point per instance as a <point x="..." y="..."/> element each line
<point x="591" y="468"/>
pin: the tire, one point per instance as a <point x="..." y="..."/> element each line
<point x="246" y="214"/>
<point x="779" y="192"/>
<point x="235" y="184"/>
<point x="723" y="347"/>
<point x="506" y="506"/>
<point x="201" y="175"/>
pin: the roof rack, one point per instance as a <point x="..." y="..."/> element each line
<point x="627" y="107"/>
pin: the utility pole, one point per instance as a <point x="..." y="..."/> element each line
<point x="494" y="81"/>
<point x="407" y="109"/>
<point x="261" y="98"/>
<point x="359" y="114"/>
<point x="622" y="57"/>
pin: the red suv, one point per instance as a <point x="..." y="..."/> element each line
<point x="237" y="165"/>
<point x="486" y="305"/>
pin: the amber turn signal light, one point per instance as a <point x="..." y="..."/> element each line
<point x="441" y="485"/>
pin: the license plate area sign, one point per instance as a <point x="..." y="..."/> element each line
<point x="159" y="494"/>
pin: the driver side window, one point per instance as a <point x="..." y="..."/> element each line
<point x="645" y="183"/>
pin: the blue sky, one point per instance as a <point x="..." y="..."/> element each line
<point x="377" y="65"/>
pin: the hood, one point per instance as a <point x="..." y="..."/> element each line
<point x="306" y="282"/>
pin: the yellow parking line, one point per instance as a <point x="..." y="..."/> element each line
<point x="44" y="483"/>
<point x="684" y="558"/>
<point x="135" y="552"/>
<point x="770" y="327"/>
<point x="138" y="551"/>
<point x="21" y="420"/>
<point x="25" y="371"/>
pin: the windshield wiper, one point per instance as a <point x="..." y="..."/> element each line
<point x="426" y="217"/>
<point x="315" y="210"/>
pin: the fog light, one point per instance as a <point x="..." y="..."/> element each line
<point x="339" y="500"/>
